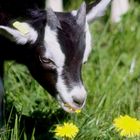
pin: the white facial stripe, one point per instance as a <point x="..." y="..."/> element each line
<point x="62" y="89"/>
<point x="31" y="36"/>
<point x="54" y="52"/>
<point x="53" y="49"/>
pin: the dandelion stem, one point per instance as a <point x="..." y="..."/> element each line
<point x="66" y="138"/>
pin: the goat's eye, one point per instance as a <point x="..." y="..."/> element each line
<point x="47" y="62"/>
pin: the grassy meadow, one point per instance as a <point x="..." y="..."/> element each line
<point x="111" y="77"/>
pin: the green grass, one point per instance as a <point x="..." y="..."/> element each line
<point x="112" y="89"/>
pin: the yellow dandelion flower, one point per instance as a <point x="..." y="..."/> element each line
<point x="68" y="130"/>
<point x="78" y="111"/>
<point x="128" y="126"/>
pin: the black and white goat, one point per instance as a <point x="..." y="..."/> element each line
<point x="54" y="47"/>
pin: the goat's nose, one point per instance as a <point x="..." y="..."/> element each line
<point x="79" y="101"/>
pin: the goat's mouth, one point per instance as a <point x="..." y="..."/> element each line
<point x="68" y="107"/>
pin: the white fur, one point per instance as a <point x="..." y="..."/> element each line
<point x="88" y="43"/>
<point x="18" y="37"/>
<point x="98" y="10"/>
<point x="53" y="49"/>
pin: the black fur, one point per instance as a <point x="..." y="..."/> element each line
<point x="70" y="34"/>
<point x="17" y="8"/>
<point x="23" y="10"/>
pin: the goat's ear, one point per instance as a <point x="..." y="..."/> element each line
<point x="52" y="19"/>
<point x="96" y="9"/>
<point x="81" y="15"/>
<point x="20" y="33"/>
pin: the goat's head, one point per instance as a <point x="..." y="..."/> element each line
<point x="60" y="44"/>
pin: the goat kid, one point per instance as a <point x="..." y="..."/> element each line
<point x="54" y="48"/>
